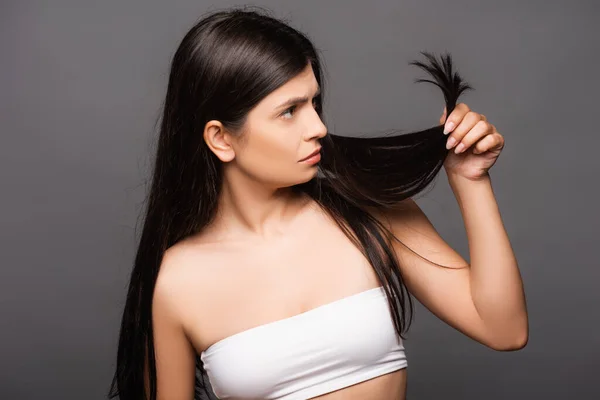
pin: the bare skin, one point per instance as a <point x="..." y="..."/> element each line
<point x="259" y="248"/>
<point x="238" y="295"/>
<point x="255" y="262"/>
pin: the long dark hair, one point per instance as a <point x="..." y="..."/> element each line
<point x="224" y="66"/>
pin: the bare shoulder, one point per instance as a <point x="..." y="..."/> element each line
<point x="175" y="354"/>
<point x="187" y="271"/>
<point x="403" y="208"/>
<point x="182" y="259"/>
<point x="411" y="227"/>
<point x="406" y="215"/>
<point x="194" y="278"/>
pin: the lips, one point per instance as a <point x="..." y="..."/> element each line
<point x="311" y="154"/>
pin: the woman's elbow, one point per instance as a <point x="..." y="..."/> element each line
<point x="511" y="343"/>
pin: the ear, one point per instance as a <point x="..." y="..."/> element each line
<point x="218" y="140"/>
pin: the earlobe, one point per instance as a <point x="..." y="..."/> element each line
<point x="218" y="141"/>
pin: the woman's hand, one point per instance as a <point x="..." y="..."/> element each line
<point x="474" y="143"/>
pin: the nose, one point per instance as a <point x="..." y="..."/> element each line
<point x="318" y="128"/>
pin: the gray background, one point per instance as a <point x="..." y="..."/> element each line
<point x="81" y="88"/>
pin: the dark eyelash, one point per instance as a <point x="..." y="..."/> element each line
<point x="292" y="108"/>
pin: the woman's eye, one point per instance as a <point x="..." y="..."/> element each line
<point x="289" y="110"/>
<point x="293" y="108"/>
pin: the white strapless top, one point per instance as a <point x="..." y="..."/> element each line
<point x="327" y="348"/>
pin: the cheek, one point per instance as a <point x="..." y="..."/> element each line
<point x="271" y="156"/>
<point x="276" y="148"/>
<point x="272" y="151"/>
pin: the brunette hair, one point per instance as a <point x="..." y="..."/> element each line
<point x="225" y="64"/>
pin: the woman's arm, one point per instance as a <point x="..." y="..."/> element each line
<point x="175" y="356"/>
<point x="496" y="285"/>
<point x="483" y="300"/>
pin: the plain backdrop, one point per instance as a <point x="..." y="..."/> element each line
<point x="81" y="87"/>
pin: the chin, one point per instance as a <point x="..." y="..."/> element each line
<point x="313" y="176"/>
<point x="307" y="177"/>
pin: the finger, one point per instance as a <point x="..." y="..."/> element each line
<point x="479" y="131"/>
<point x="443" y="117"/>
<point x="489" y="142"/>
<point x="455" y="117"/>
<point x="468" y="122"/>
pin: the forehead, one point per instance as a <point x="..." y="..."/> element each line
<point x="303" y="84"/>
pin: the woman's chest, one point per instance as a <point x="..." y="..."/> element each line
<point x="256" y="285"/>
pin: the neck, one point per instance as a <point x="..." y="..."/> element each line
<point x="249" y="209"/>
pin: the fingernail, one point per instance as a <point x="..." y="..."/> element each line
<point x="459" y="148"/>
<point x="448" y="128"/>
<point x="451" y="142"/>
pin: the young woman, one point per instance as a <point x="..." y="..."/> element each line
<point x="276" y="259"/>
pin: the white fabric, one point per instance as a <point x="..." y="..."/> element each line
<point x="330" y="347"/>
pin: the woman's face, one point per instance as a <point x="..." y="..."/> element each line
<point x="280" y="130"/>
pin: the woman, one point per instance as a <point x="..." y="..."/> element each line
<point x="276" y="259"/>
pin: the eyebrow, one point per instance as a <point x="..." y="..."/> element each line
<point x="297" y="100"/>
